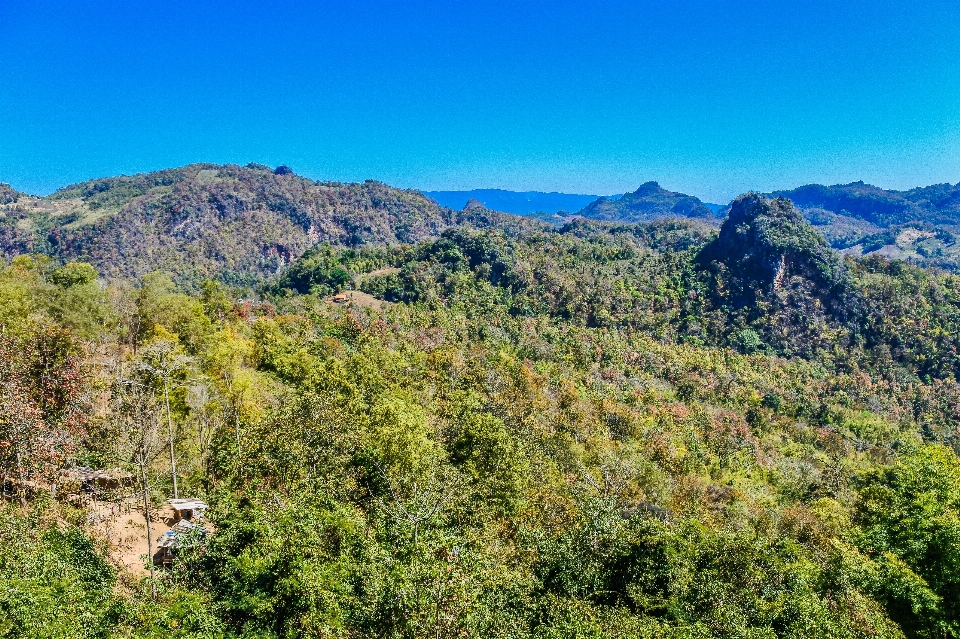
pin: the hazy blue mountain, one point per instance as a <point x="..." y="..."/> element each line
<point x="520" y="203"/>
<point x="716" y="208"/>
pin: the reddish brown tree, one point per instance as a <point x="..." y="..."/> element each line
<point x="42" y="408"/>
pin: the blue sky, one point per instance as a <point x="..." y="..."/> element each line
<point x="707" y="97"/>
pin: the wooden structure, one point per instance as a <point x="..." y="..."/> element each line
<point x="87" y="480"/>
<point x="187" y="509"/>
<point x="183" y="535"/>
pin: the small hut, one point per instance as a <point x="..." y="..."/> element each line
<point x="187" y="509"/>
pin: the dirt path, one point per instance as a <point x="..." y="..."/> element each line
<point x="358" y="299"/>
<point x="382" y="271"/>
<point x="125" y="530"/>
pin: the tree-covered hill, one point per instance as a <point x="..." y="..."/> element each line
<point x="496" y="429"/>
<point x="766" y="283"/>
<point x="241" y="224"/>
<point x="937" y="204"/>
<point x="649" y="202"/>
<point x="234" y="223"/>
<point x="919" y="225"/>
<point x="768" y="270"/>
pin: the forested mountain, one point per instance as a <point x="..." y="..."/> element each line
<point x="233" y="223"/>
<point x="649" y="202"/>
<point x="437" y="424"/>
<point x="919" y="225"/>
<point x="937" y="204"/>
<point x="240" y="224"/>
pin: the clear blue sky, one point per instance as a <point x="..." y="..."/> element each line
<point x="708" y="97"/>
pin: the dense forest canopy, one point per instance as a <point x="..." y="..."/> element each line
<point x="483" y="427"/>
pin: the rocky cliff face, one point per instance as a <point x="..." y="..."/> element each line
<point x="764" y="243"/>
<point x="230" y="222"/>
<point x="774" y="273"/>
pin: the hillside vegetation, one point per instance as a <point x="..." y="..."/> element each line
<point x="919" y="225"/>
<point x="235" y="224"/>
<point x="241" y="224"/>
<point x="597" y="430"/>
<point x="647" y="203"/>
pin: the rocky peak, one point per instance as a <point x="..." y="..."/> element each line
<point x="649" y="188"/>
<point x="764" y="243"/>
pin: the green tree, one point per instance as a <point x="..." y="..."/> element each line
<point x="909" y="518"/>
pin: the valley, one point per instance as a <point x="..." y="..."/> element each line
<point x="648" y="420"/>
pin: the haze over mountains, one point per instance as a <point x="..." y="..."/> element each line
<point x="520" y="203"/>
<point x="242" y="223"/>
<point x="538" y="202"/>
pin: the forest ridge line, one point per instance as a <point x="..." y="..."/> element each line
<point x="241" y="223"/>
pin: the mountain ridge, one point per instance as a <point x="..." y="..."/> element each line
<point x="230" y="222"/>
<point x="883" y="207"/>
<point x="516" y="202"/>
<point x="920" y="225"/>
<point x="242" y="223"/>
<point x="649" y="202"/>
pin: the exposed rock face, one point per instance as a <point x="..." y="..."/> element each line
<point x="769" y="267"/>
<point x="765" y="242"/>
<point x="229" y="222"/>
<point x="649" y="202"/>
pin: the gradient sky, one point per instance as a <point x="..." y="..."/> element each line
<point x="707" y="97"/>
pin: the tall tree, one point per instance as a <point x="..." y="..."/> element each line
<point x="138" y="439"/>
<point x="42" y="407"/>
<point x="163" y="364"/>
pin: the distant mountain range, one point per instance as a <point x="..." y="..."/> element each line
<point x="240" y="224"/>
<point x="648" y="202"/>
<point x="517" y="202"/>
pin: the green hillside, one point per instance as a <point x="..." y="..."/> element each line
<point x="236" y="224"/>
<point x="649" y="202"/>
<point x="919" y="225"/>
<point x="497" y="429"/>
